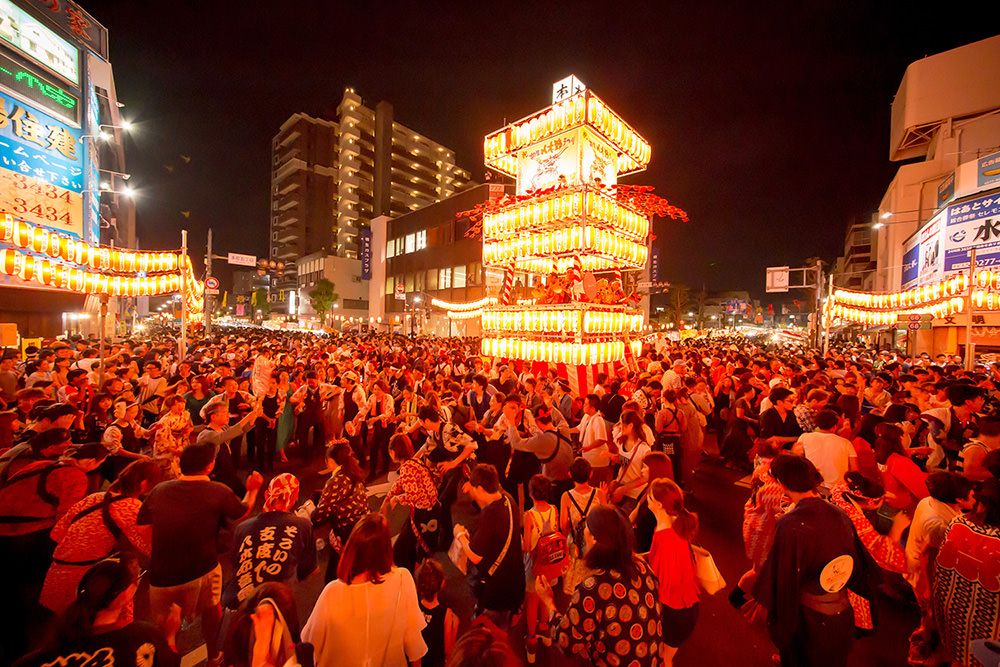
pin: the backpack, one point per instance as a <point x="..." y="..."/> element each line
<point x="578" y="527"/>
<point x="550" y="557"/>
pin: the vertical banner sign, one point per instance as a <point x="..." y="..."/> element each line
<point x="931" y="257"/>
<point x="974" y="224"/>
<point x="93" y="225"/>
<point x="366" y="253"/>
<point x="911" y="258"/>
<point x="654" y="265"/>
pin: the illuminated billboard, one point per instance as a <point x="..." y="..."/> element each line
<point x="37" y="89"/>
<point x="32" y="38"/>
<point x="41" y="167"/>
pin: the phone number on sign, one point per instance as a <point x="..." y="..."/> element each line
<point x="41" y="203"/>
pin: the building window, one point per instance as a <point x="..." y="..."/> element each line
<point x="356" y="279"/>
<point x="458" y="276"/>
<point x="472" y="276"/>
<point x="422" y="239"/>
<point x="390" y="285"/>
<point x="418" y="281"/>
<point x="432" y="280"/>
<point x="409" y="282"/>
<point x="390" y="248"/>
<point x="411" y="241"/>
<point x="444" y="278"/>
<point x="399" y="246"/>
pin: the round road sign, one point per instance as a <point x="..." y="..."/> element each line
<point x="212" y="283"/>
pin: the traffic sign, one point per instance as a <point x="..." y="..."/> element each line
<point x="211" y="292"/>
<point x="914" y="326"/>
<point x="777" y="279"/>
<point x="212" y="283"/>
<point x="914" y="317"/>
<point x="400" y="293"/>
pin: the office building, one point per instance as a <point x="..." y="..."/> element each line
<point x="331" y="177"/>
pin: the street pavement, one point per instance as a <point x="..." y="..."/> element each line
<point x="721" y="637"/>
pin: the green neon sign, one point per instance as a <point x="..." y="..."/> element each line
<point x="49" y="96"/>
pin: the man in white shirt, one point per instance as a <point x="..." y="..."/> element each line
<point x="674" y="378"/>
<point x="593" y="432"/>
<point x="832" y="455"/>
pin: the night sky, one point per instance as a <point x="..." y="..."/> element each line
<point x="769" y="124"/>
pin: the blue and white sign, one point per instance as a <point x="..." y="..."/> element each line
<point x="988" y="170"/>
<point x="911" y="259"/>
<point x="366" y="253"/>
<point x="37" y="145"/>
<point x="973" y="224"/>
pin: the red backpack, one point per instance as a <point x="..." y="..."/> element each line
<point x="550" y="557"/>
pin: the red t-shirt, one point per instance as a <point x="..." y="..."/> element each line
<point x="671" y="559"/>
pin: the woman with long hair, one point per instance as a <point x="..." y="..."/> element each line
<point x="93" y="624"/>
<point x="286" y="418"/>
<point x="905" y="483"/>
<point x="99" y="525"/>
<point x="97" y="418"/>
<point x="343" y="502"/>
<point x="196" y="398"/>
<point x="671" y="560"/>
<point x="620" y="577"/>
<point x="633" y="448"/>
<point x="741" y="428"/>
<point x="370" y="614"/>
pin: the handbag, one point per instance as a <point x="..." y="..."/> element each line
<point x="706" y="572"/>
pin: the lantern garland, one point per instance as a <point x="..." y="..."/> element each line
<point x="941" y="299"/>
<point x="46" y="257"/>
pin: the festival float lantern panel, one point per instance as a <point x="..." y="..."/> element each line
<point x="504" y="149"/>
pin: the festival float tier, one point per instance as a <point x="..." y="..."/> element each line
<point x="547" y="233"/>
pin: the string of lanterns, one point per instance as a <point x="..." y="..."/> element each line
<point x="38" y="239"/>
<point x="54" y="253"/>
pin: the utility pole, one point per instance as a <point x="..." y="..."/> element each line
<point x="816" y="306"/>
<point x="970" y="347"/>
<point x="826" y="320"/>
<point x="209" y="299"/>
<point x="182" y="351"/>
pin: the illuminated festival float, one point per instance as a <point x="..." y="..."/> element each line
<point x="574" y="232"/>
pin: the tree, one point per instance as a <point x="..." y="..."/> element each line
<point x="323" y="297"/>
<point x="678" y="303"/>
<point x="261" y="302"/>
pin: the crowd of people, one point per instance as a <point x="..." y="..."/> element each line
<point x="567" y="509"/>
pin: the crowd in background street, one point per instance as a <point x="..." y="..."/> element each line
<point x="870" y="473"/>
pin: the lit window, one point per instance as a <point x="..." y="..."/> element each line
<point x="444" y="278"/>
<point x="421" y="239"/>
<point x="410" y="243"/>
<point x="458" y="276"/>
<point x="390" y="249"/>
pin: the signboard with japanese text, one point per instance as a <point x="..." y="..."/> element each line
<point x="988" y="170"/>
<point x="241" y="260"/>
<point x="400" y="293"/>
<point x="93" y="211"/>
<point x="366" y="253"/>
<point x="946" y="190"/>
<point x="911" y="259"/>
<point x="29" y="36"/>
<point x="549" y="163"/>
<point x="654" y="265"/>
<point x="931" y="254"/>
<point x="39" y="90"/>
<point x="75" y="21"/>
<point x="37" y="145"/>
<point x="566" y="88"/>
<point x="973" y="224"/>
